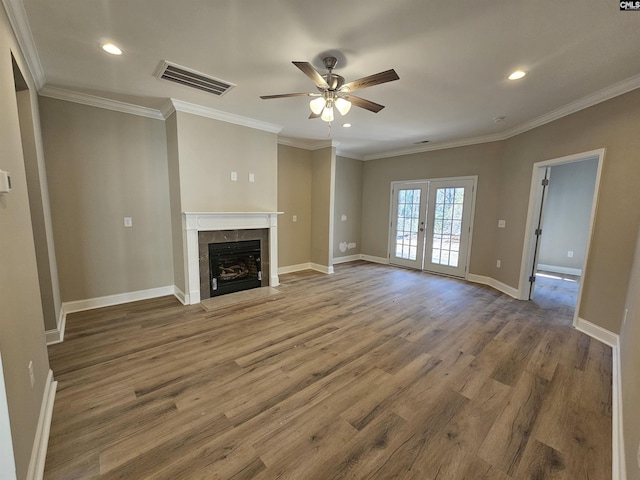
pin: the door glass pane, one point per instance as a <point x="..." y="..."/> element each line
<point x="447" y="226"/>
<point x="407" y="222"/>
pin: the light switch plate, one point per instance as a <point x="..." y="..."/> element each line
<point x="234" y="176"/>
<point x="128" y="222"/>
<point x="502" y="223"/>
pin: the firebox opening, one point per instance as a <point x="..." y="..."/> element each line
<point x="234" y="266"/>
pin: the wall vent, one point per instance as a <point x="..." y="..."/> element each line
<point x="191" y="78"/>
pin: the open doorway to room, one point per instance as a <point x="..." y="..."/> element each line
<point x="561" y="213"/>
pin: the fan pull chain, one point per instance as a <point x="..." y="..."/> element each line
<point x="329" y="133"/>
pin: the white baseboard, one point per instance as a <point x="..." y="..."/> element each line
<point x="57" y="335"/>
<point x="347" y="258"/>
<point x="294" y="268"/>
<point x="39" y="450"/>
<point x="179" y="294"/>
<point x="559" y="269"/>
<point x="618" y="467"/>
<point x="597" y="332"/>
<point x="372" y="259"/>
<point x="305" y="266"/>
<point x="321" y="268"/>
<point x="492" y="282"/>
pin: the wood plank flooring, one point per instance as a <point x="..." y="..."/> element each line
<point x="374" y="372"/>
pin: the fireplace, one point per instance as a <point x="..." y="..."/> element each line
<point x="234" y="266"/>
<point x="202" y="228"/>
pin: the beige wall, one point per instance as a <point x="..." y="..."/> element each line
<point x="209" y="150"/>
<point x="348" y="207"/>
<point x="504" y="172"/>
<point x="323" y="163"/>
<point x="103" y="166"/>
<point x="613" y="125"/>
<point x="294" y="198"/>
<point x="630" y="366"/>
<point x="40" y="215"/>
<point x="21" y="320"/>
<point x="179" y="274"/>
<point x="482" y="160"/>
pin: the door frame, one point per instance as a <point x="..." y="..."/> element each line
<point x="474" y="192"/>
<point x="535" y="204"/>
<point x="391" y="242"/>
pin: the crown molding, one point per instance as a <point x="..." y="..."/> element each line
<point x="465" y="142"/>
<point x="603" y="95"/>
<point x="207" y="112"/>
<point x="22" y="31"/>
<point x="307" y="144"/>
<point x="100" y="102"/>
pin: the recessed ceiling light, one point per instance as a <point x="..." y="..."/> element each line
<point x="346" y="125"/>
<point x="518" y="74"/>
<point x="112" y="49"/>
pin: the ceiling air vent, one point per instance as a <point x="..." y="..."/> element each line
<point x="191" y="78"/>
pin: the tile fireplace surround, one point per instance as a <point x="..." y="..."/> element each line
<point x="192" y="223"/>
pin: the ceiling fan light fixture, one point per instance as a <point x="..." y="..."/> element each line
<point x="317" y="105"/>
<point x="327" y="113"/>
<point x="343" y="105"/>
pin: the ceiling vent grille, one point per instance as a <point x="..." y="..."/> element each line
<point x="191" y="78"/>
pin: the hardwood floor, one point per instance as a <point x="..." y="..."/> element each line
<point x="374" y="372"/>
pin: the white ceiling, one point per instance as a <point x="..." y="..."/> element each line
<point x="452" y="57"/>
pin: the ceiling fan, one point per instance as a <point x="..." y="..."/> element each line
<point x="334" y="92"/>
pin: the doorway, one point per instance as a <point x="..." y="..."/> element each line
<point x="430" y="224"/>
<point x="562" y="204"/>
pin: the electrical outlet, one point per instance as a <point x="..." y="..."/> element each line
<point x="252" y="177"/>
<point x="32" y="376"/>
<point x="294" y="219"/>
<point x="234" y="176"/>
<point x="498" y="263"/>
<point x="128" y="222"/>
<point x="570" y="254"/>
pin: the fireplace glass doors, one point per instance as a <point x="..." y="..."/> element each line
<point x="234" y="266"/>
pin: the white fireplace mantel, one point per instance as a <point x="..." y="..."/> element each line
<point x="194" y="222"/>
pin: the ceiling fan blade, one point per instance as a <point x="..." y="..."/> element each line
<point x="312" y="73"/>
<point x="371" y="80"/>
<point x="314" y="115"/>
<point x="362" y="103"/>
<point x="285" y="95"/>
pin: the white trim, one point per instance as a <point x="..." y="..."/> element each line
<point x="39" y="451"/>
<point x="321" y="268"/>
<point x="528" y="245"/>
<point x="605" y="94"/>
<point x="294" y="268"/>
<point x="117" y="299"/>
<point x="7" y="457"/>
<point x="179" y="294"/>
<point x="596" y="331"/>
<point x="100" y="102"/>
<point x="307" y="144"/>
<point x="619" y="466"/>
<point x="22" y="31"/>
<point x="207" y="112"/>
<point x="194" y="222"/>
<point x="373" y="259"/>
<point x="428" y="147"/>
<point x="559" y="269"/>
<point x="492" y="282"/>
<point x="347" y="258"/>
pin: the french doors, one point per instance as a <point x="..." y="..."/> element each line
<point x="431" y="225"/>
